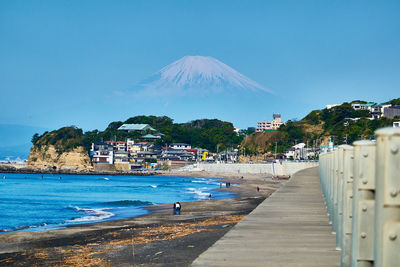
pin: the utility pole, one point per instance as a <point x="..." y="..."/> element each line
<point x="276" y="146"/>
<point x="306" y="155"/>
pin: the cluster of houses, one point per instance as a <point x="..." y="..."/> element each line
<point x="301" y="151"/>
<point x="377" y="110"/>
<point x="131" y="155"/>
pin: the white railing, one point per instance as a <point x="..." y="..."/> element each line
<point x="361" y="187"/>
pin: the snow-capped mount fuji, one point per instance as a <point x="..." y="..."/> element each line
<point x="198" y="74"/>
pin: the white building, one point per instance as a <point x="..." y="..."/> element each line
<point x="299" y="152"/>
<point x="360" y="106"/>
<point x="102" y="153"/>
<point x="129" y="144"/>
<point x="273" y="125"/>
<point x="180" y="146"/>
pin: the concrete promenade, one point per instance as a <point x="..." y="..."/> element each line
<point x="290" y="228"/>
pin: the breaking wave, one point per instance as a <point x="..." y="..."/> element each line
<point x="199" y="192"/>
<point x="93" y="215"/>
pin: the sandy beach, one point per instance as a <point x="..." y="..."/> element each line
<point x="157" y="239"/>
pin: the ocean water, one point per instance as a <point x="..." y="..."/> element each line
<point x="30" y="202"/>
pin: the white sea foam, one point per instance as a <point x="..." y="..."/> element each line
<point x="94" y="215"/>
<point x="154" y="186"/>
<point x="205" y="181"/>
<point x="198" y="192"/>
<point x="194" y="181"/>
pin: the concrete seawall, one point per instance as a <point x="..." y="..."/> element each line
<point x="283" y="168"/>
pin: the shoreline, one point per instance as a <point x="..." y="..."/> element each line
<point x="201" y="223"/>
<point x="72" y="172"/>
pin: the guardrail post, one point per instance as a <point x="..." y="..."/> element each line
<point x="331" y="188"/>
<point x="363" y="204"/>
<point x="339" y="198"/>
<point x="387" y="198"/>
<point x="328" y="184"/>
<point x="347" y="195"/>
<point x="324" y="176"/>
<point x="335" y="193"/>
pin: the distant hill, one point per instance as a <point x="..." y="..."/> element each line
<point x="205" y="133"/>
<point x="342" y="123"/>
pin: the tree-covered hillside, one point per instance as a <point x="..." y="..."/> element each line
<point x="342" y="123"/>
<point x="204" y="133"/>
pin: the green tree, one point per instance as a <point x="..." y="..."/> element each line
<point x="35" y="138"/>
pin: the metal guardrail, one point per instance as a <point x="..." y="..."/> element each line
<point x="361" y="187"/>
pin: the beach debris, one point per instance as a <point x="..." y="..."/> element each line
<point x="95" y="253"/>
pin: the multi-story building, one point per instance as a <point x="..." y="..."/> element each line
<point x="120" y="146"/>
<point x="121" y="157"/>
<point x="129" y="144"/>
<point x="177" y="154"/>
<point x="102" y="153"/>
<point x="377" y="111"/>
<point x="391" y="112"/>
<point x="362" y="106"/>
<point x="273" y="125"/>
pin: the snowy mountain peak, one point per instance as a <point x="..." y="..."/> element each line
<point x="198" y="74"/>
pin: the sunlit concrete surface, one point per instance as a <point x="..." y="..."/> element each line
<point x="290" y="228"/>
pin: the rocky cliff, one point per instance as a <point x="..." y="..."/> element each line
<point x="46" y="157"/>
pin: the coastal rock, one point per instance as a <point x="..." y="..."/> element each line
<point x="47" y="157"/>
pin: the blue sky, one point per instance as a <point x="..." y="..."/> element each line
<point x="61" y="61"/>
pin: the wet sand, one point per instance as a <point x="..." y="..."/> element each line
<point x="157" y="239"/>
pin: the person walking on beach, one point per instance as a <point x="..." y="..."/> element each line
<point x="209" y="196"/>
<point x="178" y="208"/>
